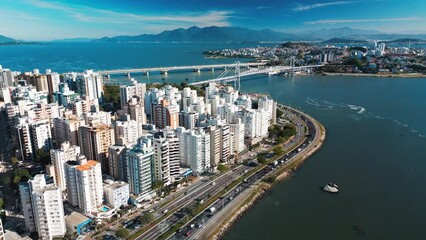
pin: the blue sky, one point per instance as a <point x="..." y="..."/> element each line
<point x="46" y="20"/>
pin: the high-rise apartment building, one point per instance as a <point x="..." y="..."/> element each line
<point x="137" y="90"/>
<point x="195" y="149"/>
<point x="66" y="129"/>
<point x="84" y="184"/>
<point x="161" y="160"/>
<point x="127" y="131"/>
<point x="117" y="162"/>
<point x="90" y="84"/>
<point x="139" y="168"/>
<point x="59" y="157"/>
<point x="42" y="207"/>
<point x="165" y="114"/>
<point x="95" y="141"/>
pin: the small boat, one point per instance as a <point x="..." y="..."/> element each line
<point x="331" y="188"/>
<point x="271" y="73"/>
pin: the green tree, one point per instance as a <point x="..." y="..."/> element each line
<point x="261" y="159"/>
<point x="16" y="179"/>
<point x="14" y="161"/>
<point x="157" y="185"/>
<point x="147" y="218"/>
<point x="271" y="179"/>
<point x="1" y="203"/>
<point x="20" y="175"/>
<point x="222" y="168"/>
<point x="279" y="113"/>
<point x="278" y="150"/>
<point x="122" y="233"/>
<point x="112" y="93"/>
<point x="280" y="140"/>
<point x="42" y="156"/>
<point x="353" y="62"/>
<point x="6" y="180"/>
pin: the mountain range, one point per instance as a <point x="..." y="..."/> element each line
<point x="239" y="35"/>
<point x="4" y="39"/>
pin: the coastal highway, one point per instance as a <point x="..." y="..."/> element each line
<point x="210" y="190"/>
<point x="206" y="223"/>
<point x="175" y="208"/>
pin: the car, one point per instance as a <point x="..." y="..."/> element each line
<point x="192" y="225"/>
<point x="213" y="183"/>
<point x="179" y="230"/>
<point x="200" y="225"/>
<point x="188" y="234"/>
<point x="230" y="198"/>
<point x="151" y="210"/>
<point x="165" y="211"/>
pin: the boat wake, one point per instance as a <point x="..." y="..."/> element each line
<point x="360" y="112"/>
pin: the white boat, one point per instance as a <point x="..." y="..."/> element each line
<point x="331" y="188"/>
<point x="271" y="73"/>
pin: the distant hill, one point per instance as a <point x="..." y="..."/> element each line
<point x="4" y="39"/>
<point x="238" y="35"/>
<point x="345" y="41"/>
<point x="207" y="35"/>
<point x="74" y="40"/>
<point x="330" y="33"/>
<point x="388" y="36"/>
<point x="406" y="41"/>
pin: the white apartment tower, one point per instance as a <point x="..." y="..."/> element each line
<point x="90" y="84"/>
<point x="42" y="207"/>
<point x="195" y="149"/>
<point x="128" y="92"/>
<point x="237" y="135"/>
<point x="116" y="193"/>
<point x="127" y="131"/>
<point x="84" y="184"/>
<point x="59" y="157"/>
<point x="174" y="152"/>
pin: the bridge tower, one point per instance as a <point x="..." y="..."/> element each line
<point x="237" y="83"/>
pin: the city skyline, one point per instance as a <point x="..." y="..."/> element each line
<point x="48" y="20"/>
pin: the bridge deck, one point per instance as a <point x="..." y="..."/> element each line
<point x="171" y="68"/>
<point x="254" y="72"/>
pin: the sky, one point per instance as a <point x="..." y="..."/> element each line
<point x="48" y="20"/>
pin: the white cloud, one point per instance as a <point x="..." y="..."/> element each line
<point x="336" y="21"/>
<point x="319" y="5"/>
<point x="96" y="15"/>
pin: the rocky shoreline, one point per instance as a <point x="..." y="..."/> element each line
<point x="236" y="216"/>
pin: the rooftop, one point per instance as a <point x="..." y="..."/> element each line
<point x="76" y="218"/>
<point x="88" y="165"/>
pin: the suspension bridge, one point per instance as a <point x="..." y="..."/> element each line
<point x="234" y="72"/>
<point x="165" y="70"/>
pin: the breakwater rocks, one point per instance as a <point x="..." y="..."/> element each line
<point x="260" y="191"/>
